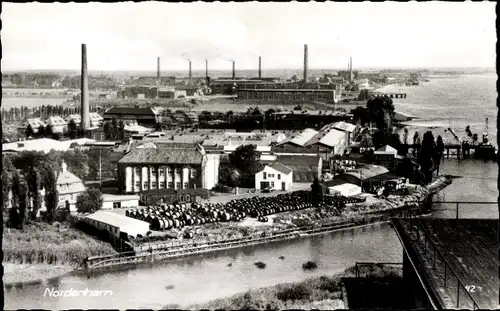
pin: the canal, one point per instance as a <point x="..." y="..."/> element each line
<point x="200" y="279"/>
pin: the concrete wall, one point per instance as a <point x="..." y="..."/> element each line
<point x="211" y="171"/>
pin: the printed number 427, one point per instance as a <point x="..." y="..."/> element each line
<point x="472" y="288"/>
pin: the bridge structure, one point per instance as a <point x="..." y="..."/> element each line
<point x="461" y="151"/>
<point x="450" y="263"/>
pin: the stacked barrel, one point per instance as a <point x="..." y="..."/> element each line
<point x="177" y="216"/>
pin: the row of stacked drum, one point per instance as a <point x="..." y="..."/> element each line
<point x="167" y="217"/>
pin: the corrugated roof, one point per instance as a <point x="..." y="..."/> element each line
<point x="344" y="126"/>
<point x="67" y="182"/>
<point x="302" y="138"/>
<point x="115" y="220"/>
<point x="386" y="149"/>
<point x="143" y="111"/>
<point x="164" y="156"/>
<point x="331" y="138"/>
<point x="367" y="171"/>
<point x="281" y="168"/>
<point x="298" y="160"/>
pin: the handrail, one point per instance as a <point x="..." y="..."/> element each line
<point x="428" y="237"/>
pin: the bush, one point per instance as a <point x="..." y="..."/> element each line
<point x="297" y="292"/>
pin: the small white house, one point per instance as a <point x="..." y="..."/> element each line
<point x="345" y="190"/>
<point x="276" y="176"/>
<point x="115" y="223"/>
<point x="110" y="201"/>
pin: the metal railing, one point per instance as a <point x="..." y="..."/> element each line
<point x="426" y="242"/>
<point x="458" y="203"/>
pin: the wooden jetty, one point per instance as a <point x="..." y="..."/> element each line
<point x="462" y="151"/>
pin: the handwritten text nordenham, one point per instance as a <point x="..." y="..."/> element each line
<point x="51" y="292"/>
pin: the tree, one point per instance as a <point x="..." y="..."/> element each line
<point x="33" y="179"/>
<point x="316" y="190"/>
<point x="246" y="159"/>
<point x="51" y="196"/>
<point x="72" y="129"/>
<point x="360" y="115"/>
<point x="29" y="131"/>
<point x="120" y="131"/>
<point x="41" y="131"/>
<point x="90" y="201"/>
<point x="114" y="129"/>
<point x="426" y="155"/>
<point x="49" y="131"/>
<point x="381" y="111"/>
<point x="405" y="136"/>
<point x="439" y="154"/>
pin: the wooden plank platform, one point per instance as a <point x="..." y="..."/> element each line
<point x="470" y="248"/>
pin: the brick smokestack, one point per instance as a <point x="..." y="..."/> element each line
<point x="350" y="69"/>
<point x="234" y="71"/>
<point x="190" y="73"/>
<point x="206" y="69"/>
<point x="306" y="62"/>
<point x="158" y="69"/>
<point x="85" y="91"/>
<point x="260" y="67"/>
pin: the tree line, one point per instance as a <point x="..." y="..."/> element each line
<point x="25" y="174"/>
<point x="422" y="163"/>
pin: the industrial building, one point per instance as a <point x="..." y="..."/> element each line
<point x="147" y="116"/>
<point x="167" y="168"/>
<point x="95" y="119"/>
<point x="325" y="143"/>
<point x="116" y="224"/>
<point x="34" y="123"/>
<point x="287" y="95"/>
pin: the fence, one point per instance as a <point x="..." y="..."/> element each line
<point x="420" y="235"/>
<point x="475" y="209"/>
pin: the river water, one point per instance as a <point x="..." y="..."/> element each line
<point x="200" y="279"/>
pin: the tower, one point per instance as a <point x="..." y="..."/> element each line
<point x="306" y="63"/>
<point x="85" y="91"/>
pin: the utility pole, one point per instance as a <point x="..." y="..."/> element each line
<point x="100" y="167"/>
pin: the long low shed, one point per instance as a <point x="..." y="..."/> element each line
<point x="115" y="223"/>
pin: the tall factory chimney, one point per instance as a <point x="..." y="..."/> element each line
<point x="306" y="65"/>
<point x="158" y="69"/>
<point x="260" y="67"/>
<point x="350" y="69"/>
<point x="190" y="73"/>
<point x="234" y="71"/>
<point x="85" y="91"/>
<point x="206" y="69"/>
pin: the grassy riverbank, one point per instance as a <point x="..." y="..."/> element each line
<point x="42" y="251"/>
<point x="324" y="292"/>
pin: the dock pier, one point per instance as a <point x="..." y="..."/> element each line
<point x="462" y="151"/>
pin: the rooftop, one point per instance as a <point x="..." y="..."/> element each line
<point x="139" y="111"/>
<point x="281" y="168"/>
<point x="164" y="156"/>
<point x="330" y="138"/>
<point x="470" y="248"/>
<point x="302" y="138"/>
<point x="115" y="220"/>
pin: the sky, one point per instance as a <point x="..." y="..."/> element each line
<point x="130" y="36"/>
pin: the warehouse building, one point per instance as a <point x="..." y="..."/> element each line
<point x="298" y="95"/>
<point x="115" y="224"/>
<point x="276" y="176"/>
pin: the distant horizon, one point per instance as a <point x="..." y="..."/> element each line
<point x="298" y="70"/>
